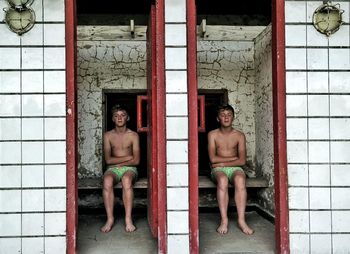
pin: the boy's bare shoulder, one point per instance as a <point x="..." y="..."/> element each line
<point x="238" y="133"/>
<point x="213" y="132"/>
<point x="133" y="134"/>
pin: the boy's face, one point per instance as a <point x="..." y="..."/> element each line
<point x="120" y="117"/>
<point x="225" y="118"/>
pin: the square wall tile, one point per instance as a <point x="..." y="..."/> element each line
<point x="55" y="128"/>
<point x="177" y="198"/>
<point x="55" y="223"/>
<point x="178" y="242"/>
<point x="33" y="200"/>
<point x="177" y="151"/>
<point x="296" y="82"/>
<point x="175" y="35"/>
<point x="10" y="152"/>
<point x="32" y="152"/>
<point x="55" y="175"/>
<point x="55" y="245"/>
<point x="32" y="128"/>
<point x="295" y="12"/>
<point x="55" y="200"/>
<point x="175" y="58"/>
<point x="340" y="221"/>
<point x="339" y="59"/>
<point x="32" y="245"/>
<point x="298" y="198"/>
<point x="10" y="105"/>
<point x="54" y="58"/>
<point x="299" y="243"/>
<point x="340" y="128"/>
<point x="55" y="105"/>
<point x="10" y="201"/>
<point x="54" y="34"/>
<point x="32" y="82"/>
<point x="296" y="128"/>
<point x="10" y="225"/>
<point x="7" y="36"/>
<point x="295" y="59"/>
<point x="340" y="198"/>
<point x="10" y="129"/>
<point x="340" y="105"/>
<point x="32" y="58"/>
<point x="55" y="152"/>
<point x="10" y="176"/>
<point x="298" y="175"/>
<point x="177" y="175"/>
<point x="318" y="151"/>
<point x="298" y="221"/>
<point x="10" y="82"/>
<point x="175" y="11"/>
<point x="33" y="224"/>
<point x="319" y="175"/>
<point x="317" y="82"/>
<point x="176" y="81"/>
<point x="296" y="105"/>
<point x="340" y="175"/>
<point x="318" y="105"/>
<point x="11" y="245"/>
<point x="339" y="82"/>
<point x="296" y="35"/>
<point x="34" y="37"/>
<point x="32" y="105"/>
<point x="321" y="244"/>
<point x="54" y="81"/>
<point x="176" y="105"/>
<point x="320" y="198"/>
<point x="178" y="222"/>
<point x="320" y="221"/>
<point x="10" y="58"/>
<point x="177" y="127"/>
<point x="314" y="38"/>
<point x="32" y="176"/>
<point x="341" y="243"/>
<point x="340" y="152"/>
<point x="317" y="59"/>
<point x="318" y="128"/>
<point x="54" y="10"/>
<point x="297" y="152"/>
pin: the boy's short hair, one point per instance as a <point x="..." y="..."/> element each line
<point x="223" y="107"/>
<point x="118" y="107"/>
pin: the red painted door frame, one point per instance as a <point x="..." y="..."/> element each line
<point x="279" y="125"/>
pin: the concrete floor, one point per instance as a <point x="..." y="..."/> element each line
<point x="92" y="241"/>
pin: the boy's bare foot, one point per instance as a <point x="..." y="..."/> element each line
<point x="223" y="228"/>
<point x="129" y="226"/>
<point x="245" y="228"/>
<point x="108" y="226"/>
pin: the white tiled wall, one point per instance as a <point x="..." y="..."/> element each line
<point x="318" y="136"/>
<point x="177" y="126"/>
<point x="32" y="134"/>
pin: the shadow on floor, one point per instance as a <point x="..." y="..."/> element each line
<point x="92" y="241"/>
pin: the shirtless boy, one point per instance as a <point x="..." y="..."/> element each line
<point x="122" y="155"/>
<point x="227" y="153"/>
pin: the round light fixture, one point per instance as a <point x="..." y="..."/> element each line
<point x="19" y="4"/>
<point x="327" y="18"/>
<point x="20" y="21"/>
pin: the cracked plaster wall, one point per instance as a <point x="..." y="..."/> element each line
<point x="103" y="65"/>
<point x="264" y="160"/>
<point x="230" y="65"/>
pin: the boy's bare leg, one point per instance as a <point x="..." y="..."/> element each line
<point x="223" y="199"/>
<point x="128" y="197"/>
<point x="241" y="200"/>
<point x="108" y="199"/>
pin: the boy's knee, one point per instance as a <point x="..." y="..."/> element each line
<point x="108" y="181"/>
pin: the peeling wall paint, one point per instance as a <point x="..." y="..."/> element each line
<point x="103" y="64"/>
<point x="230" y="65"/>
<point x="264" y="160"/>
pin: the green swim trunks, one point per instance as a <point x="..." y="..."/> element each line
<point x="120" y="171"/>
<point x="228" y="171"/>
